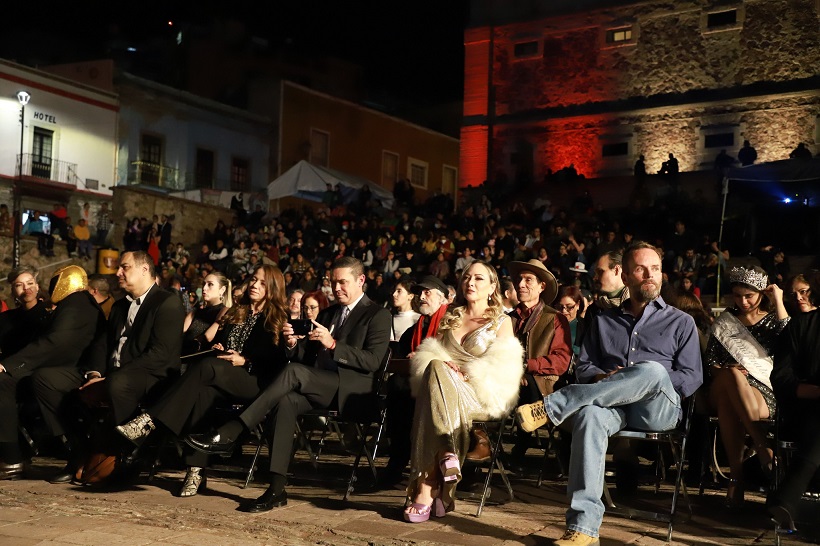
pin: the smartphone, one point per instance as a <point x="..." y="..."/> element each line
<point x="301" y="327"/>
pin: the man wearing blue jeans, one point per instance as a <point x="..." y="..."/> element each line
<point x="637" y="362"/>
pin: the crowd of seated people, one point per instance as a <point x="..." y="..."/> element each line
<point x="464" y="289"/>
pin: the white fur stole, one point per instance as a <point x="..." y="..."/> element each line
<point x="495" y="376"/>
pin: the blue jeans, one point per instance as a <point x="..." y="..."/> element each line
<point x="639" y="397"/>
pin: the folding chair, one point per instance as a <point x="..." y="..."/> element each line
<point x="676" y="440"/>
<point x="494" y="463"/>
<point x="366" y="417"/>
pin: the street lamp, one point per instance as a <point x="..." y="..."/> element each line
<point x="23" y="97"/>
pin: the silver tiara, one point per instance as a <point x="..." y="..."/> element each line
<point x="758" y="281"/>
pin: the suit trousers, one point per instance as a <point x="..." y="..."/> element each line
<point x="297" y="390"/>
<point x="126" y="387"/>
<point x="190" y="398"/>
<point x="8" y="409"/>
<point x="51" y="388"/>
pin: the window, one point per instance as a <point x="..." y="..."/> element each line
<point x="150" y="163"/>
<point x="525" y="49"/>
<point x="417" y="172"/>
<point x="449" y="181"/>
<point x="42" y="153"/>
<point x="719" y="140"/>
<point x="204" y="175"/>
<point x="92" y="184"/>
<point x="390" y="168"/>
<point x="240" y="174"/>
<point x="618" y="35"/>
<point x="615" y="149"/>
<point x="319" y="148"/>
<point x="721" y="18"/>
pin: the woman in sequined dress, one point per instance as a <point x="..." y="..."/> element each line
<point x="739" y="362"/>
<point x="471" y="370"/>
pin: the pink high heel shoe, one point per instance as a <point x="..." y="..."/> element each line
<point x="449" y="467"/>
<point x="423" y="511"/>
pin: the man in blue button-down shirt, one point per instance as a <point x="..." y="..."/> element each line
<point x="637" y="362"/>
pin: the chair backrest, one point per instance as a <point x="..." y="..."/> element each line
<point x="365" y="408"/>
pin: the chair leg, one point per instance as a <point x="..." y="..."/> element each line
<point x="495" y="462"/>
<point x="261" y="433"/>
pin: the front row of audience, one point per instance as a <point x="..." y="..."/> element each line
<point x="637" y="358"/>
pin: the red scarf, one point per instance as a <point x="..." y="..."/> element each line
<point x="432" y="328"/>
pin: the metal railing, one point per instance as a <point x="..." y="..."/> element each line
<point x="154" y="174"/>
<point x="48" y="168"/>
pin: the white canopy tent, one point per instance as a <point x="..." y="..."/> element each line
<point x="310" y="181"/>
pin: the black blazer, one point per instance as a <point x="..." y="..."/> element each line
<point x="155" y="340"/>
<point x="266" y="358"/>
<point x="361" y="344"/>
<point x="74" y="331"/>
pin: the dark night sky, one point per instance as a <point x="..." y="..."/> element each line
<point x="412" y="49"/>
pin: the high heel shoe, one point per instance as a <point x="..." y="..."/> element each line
<point x="767" y="467"/>
<point x="450" y="468"/>
<point x="423" y="511"/>
<point x="734" y="495"/>
<point x="194" y="480"/>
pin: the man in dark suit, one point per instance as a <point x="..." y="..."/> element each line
<point x="332" y="366"/>
<point x="69" y="335"/>
<point x="144" y="338"/>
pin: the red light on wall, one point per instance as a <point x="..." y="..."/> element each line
<point x="473" y="156"/>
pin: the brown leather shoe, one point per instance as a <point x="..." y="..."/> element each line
<point x="11" y="471"/>
<point x="482" y="449"/>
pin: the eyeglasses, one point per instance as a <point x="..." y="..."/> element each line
<point x="561" y="307"/>
<point x="310" y="307"/>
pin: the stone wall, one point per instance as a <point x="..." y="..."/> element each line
<point x="190" y="221"/>
<point x="672" y="52"/>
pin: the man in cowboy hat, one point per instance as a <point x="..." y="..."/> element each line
<point x="544" y="333"/>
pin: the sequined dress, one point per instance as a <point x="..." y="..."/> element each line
<point x="446" y="407"/>
<point x="766" y="332"/>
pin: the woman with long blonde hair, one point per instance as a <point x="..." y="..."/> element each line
<point x="471" y="370"/>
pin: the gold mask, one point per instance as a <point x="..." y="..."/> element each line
<point x="66" y="281"/>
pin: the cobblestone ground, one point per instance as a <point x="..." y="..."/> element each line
<point x="35" y="512"/>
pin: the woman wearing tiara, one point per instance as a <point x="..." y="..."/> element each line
<point x="738" y="356"/>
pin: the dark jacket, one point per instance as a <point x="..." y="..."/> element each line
<point x="264" y="359"/>
<point x="74" y="333"/>
<point x="155" y="340"/>
<point x="361" y="345"/>
<point x="20" y="326"/>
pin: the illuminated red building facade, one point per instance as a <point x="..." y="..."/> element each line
<point x="598" y="83"/>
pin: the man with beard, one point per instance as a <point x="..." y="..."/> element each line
<point x="432" y="295"/>
<point x="637" y="363"/>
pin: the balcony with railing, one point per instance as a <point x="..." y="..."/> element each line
<point x="47" y="168"/>
<point x="154" y="174"/>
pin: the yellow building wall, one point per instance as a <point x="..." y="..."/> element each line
<point x="358" y="136"/>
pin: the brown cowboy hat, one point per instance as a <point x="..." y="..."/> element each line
<point x="541" y="272"/>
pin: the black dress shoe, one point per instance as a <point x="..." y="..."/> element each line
<point x="268" y="501"/>
<point x="11" y="471"/>
<point x="66" y="475"/>
<point x="211" y="443"/>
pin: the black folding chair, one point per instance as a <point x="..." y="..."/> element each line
<point x="364" y="416"/>
<point x="494" y="428"/>
<point x="676" y="440"/>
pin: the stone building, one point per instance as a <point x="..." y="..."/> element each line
<point x="597" y="83"/>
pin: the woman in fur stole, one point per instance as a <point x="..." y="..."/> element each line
<point x="471" y="370"/>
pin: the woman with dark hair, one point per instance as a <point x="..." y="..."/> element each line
<point x="570" y="303"/>
<point x="690" y="304"/>
<point x="249" y="356"/>
<point x="405" y="315"/>
<point x="471" y="370"/>
<point x="800" y="297"/>
<point x="738" y="358"/>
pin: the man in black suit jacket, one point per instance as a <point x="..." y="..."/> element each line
<point x="144" y="338"/>
<point x="334" y="365"/>
<point x="69" y="336"/>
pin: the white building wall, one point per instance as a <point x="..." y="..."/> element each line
<point x="83" y="120"/>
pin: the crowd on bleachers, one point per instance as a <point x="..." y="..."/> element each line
<point x="300" y="263"/>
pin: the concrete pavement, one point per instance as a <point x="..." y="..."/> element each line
<point x="36" y="512"/>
